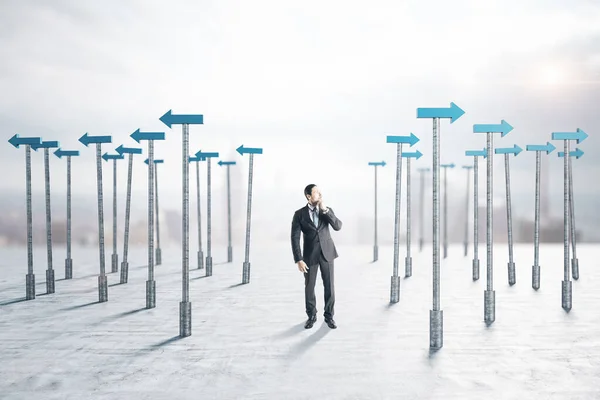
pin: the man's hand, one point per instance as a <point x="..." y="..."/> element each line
<point x="302" y="267"/>
<point x="322" y="205"/>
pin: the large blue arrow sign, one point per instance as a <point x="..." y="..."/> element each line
<point x="137" y="135"/>
<point x="503" y="127"/>
<point x="412" y="139"/>
<point x="171" y="119"/>
<point x="576" y="153"/>
<point x="454" y="112"/>
<point x="417" y="154"/>
<point x="221" y="163"/>
<point x="60" y="153"/>
<point x="377" y="163"/>
<point x="580" y="135"/>
<point x="47" y="144"/>
<point x="206" y="155"/>
<point x="509" y="150"/>
<point x="87" y="139"/>
<point x="107" y="156"/>
<point x="476" y="153"/>
<point x="447" y="165"/>
<point x="17" y="141"/>
<point x="128" y="150"/>
<point x="249" y="150"/>
<point x="155" y="161"/>
<point x="548" y="147"/>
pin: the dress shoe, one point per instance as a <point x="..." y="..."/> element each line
<point x="331" y="323"/>
<point x="310" y="322"/>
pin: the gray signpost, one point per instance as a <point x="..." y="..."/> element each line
<point x="208" y="156"/>
<point x="17" y="141"/>
<point x="468" y="168"/>
<point x="185" y="307"/>
<point x="422" y="172"/>
<point x="490" y="295"/>
<point x="156" y="209"/>
<point x="115" y="255"/>
<point x="197" y="160"/>
<point x="375" y="244"/>
<point x="102" y="281"/>
<point x="476" y="154"/>
<point x="446" y="166"/>
<point x="408" y="259"/>
<point x="229" y="246"/>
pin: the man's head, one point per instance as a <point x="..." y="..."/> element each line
<point x="312" y="193"/>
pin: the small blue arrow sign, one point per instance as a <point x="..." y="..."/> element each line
<point x="417" y="154"/>
<point x="87" y="139"/>
<point x="476" y="153"/>
<point x="193" y="159"/>
<point x="17" y="141"/>
<point x="447" y="165"/>
<point x="155" y="161"/>
<point x="107" y="156"/>
<point x="503" y="127"/>
<point x="412" y="139"/>
<point x="454" y="112"/>
<point x="172" y="119"/>
<point x="377" y="163"/>
<point x="206" y="155"/>
<point x="575" y="153"/>
<point x="221" y="163"/>
<point x="128" y="150"/>
<point x="509" y="150"/>
<point x="580" y="135"/>
<point x="60" y="153"/>
<point x="424" y="169"/>
<point x="249" y="150"/>
<point x="137" y="135"/>
<point x="467" y="166"/>
<point x="47" y="144"/>
<point x="548" y="147"/>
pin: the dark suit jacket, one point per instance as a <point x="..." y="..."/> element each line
<point x="316" y="239"/>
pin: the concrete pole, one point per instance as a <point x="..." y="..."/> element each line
<point x="536" y="234"/>
<point x="185" y="307"/>
<point x="125" y="264"/>
<point x="50" y="271"/>
<point x="151" y="283"/>
<point x="209" y="264"/>
<point x="68" y="260"/>
<point x="436" y="315"/>
<point x="246" y="265"/>
<point x="574" y="260"/>
<point x="567" y="288"/>
<point x="512" y="278"/>
<point x="375" y="244"/>
<point x="157" y="214"/>
<point x="229" y="246"/>
<point x="102" y="281"/>
<point x="408" y="259"/>
<point x="199" y="213"/>
<point x="395" y="281"/>
<point x="475" y="218"/>
<point x="30" y="277"/>
<point x="115" y="256"/>
<point x="490" y="294"/>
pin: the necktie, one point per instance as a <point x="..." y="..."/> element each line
<point x="315" y="217"/>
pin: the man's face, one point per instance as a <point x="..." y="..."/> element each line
<point x="315" y="195"/>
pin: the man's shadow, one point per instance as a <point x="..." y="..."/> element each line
<point x="302" y="347"/>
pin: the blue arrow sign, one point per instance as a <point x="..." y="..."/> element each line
<point x="575" y="153"/>
<point x="447" y="165"/>
<point x="417" y="154"/>
<point x="60" y="153"/>
<point x="155" y="161"/>
<point x="476" y="153"/>
<point x="249" y="150"/>
<point x="503" y="127"/>
<point x="221" y="163"/>
<point x="509" y="150"/>
<point x="376" y="163"/>
<point x="128" y="150"/>
<point x="107" y="156"/>
<point x="47" y="144"/>
<point x="412" y="139"/>
<point x="454" y="112"/>
<point x="87" y="139"/>
<point x="580" y="135"/>
<point x="171" y="119"/>
<point x="206" y="155"/>
<point x="424" y="169"/>
<point x="192" y="159"/>
<point x="137" y="135"/>
<point x="17" y="141"/>
<point x="467" y="166"/>
<point x="548" y="147"/>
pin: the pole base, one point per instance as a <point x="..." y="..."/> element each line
<point x="436" y="329"/>
<point x="68" y="268"/>
<point x="567" y="295"/>
<point x="124" y="272"/>
<point x="512" y="277"/>
<point x="229" y="254"/>
<point x="200" y="259"/>
<point x="535" y="277"/>
<point x="466" y="248"/>
<point x="421" y="242"/>
<point x="395" y="289"/>
<point x="158" y="256"/>
<point x="489" y="306"/>
<point x="150" y="294"/>
<point x="246" y="273"/>
<point x="445" y="250"/>
<point x="209" y="266"/>
<point x="475" y="270"/>
<point x="114" y="263"/>
<point x="102" y="288"/>
<point x="50" y="281"/>
<point x="185" y="319"/>
<point x="407" y="267"/>
<point x="375" y="253"/>
<point x="575" y="268"/>
<point x="30" y="286"/>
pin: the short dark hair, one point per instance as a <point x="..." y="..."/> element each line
<point x="308" y="189"/>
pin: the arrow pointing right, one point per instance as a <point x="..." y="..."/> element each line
<point x="580" y="136"/>
<point x="503" y="127"/>
<point x="476" y="153"/>
<point x="575" y="153"/>
<point x="412" y="139"/>
<point x="454" y="112"/>
<point x="548" y="147"/>
<point x="379" y="163"/>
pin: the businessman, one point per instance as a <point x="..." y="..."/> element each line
<point x="319" y="251"/>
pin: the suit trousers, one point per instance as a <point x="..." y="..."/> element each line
<point x="310" y="279"/>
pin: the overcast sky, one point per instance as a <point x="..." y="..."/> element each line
<point x="317" y="84"/>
